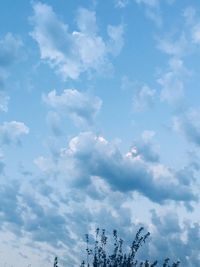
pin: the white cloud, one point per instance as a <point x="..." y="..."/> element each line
<point x="180" y="241"/>
<point x="151" y="3"/>
<point x="12" y="131"/>
<point x="174" y="46"/>
<point x="90" y="155"/>
<point x="97" y="167"/>
<point x="121" y="3"/>
<point x="54" y="121"/>
<point x="116" y="41"/>
<point x="146" y="148"/>
<point x="189" y="14"/>
<point x="172" y="82"/>
<point x="196" y="34"/>
<point x="143" y="98"/>
<point x="72" y="53"/>
<point x="188" y="124"/>
<point x="86" y="21"/>
<point x="193" y="23"/>
<point x="152" y="10"/>
<point x="4" y="99"/>
<point x="186" y="39"/>
<point x="42" y="163"/>
<point x="10" y="47"/>
<point x="81" y="107"/>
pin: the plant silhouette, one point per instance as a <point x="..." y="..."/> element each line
<point x="98" y="256"/>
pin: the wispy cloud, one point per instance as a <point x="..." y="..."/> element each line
<point x="10" y="132"/>
<point x="121" y="3"/>
<point x="188" y="124"/>
<point x="10" y="47"/>
<point x="152" y="10"/>
<point x="143" y="97"/>
<point x="81" y="107"/>
<point x="172" y="82"/>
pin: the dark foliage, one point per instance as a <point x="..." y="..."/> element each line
<point x="100" y="257"/>
<point x="55" y="262"/>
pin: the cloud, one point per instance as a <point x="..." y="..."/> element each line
<point x="72" y="53"/>
<point x="90" y="185"/>
<point x="186" y="39"/>
<point x="10" y="47"/>
<point x="172" y="81"/>
<point x="54" y="121"/>
<point x="116" y="41"/>
<point x="143" y="98"/>
<point x="2" y="163"/>
<point x="176" y="240"/>
<point x="150" y="3"/>
<point x="175" y="47"/>
<point x="89" y="155"/>
<point x="188" y="124"/>
<point x="4" y="99"/>
<point x="193" y="25"/>
<point x="193" y="22"/>
<point x="55" y="219"/>
<point x="10" y="132"/>
<point x="9" y="208"/>
<point x="54" y="216"/>
<point x="179" y="44"/>
<point x="81" y="107"/>
<point x="146" y="148"/>
<point x="152" y="9"/>
<point x="121" y="3"/>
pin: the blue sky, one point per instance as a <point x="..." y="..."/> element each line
<point x="99" y="126"/>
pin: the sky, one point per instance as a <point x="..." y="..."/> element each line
<point x="99" y="127"/>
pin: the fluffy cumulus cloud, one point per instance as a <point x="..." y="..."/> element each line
<point x="71" y="53"/>
<point x="146" y="148"/>
<point x="81" y="107"/>
<point x="90" y="156"/>
<point x="10" y="132"/>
